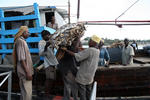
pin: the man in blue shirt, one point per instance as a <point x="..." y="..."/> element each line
<point x="135" y="46"/>
<point x="104" y="57"/>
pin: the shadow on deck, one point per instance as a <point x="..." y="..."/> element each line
<point x="42" y="96"/>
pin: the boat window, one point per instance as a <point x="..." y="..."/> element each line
<point x="48" y="17"/>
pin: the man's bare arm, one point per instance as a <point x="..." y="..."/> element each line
<point x="68" y="51"/>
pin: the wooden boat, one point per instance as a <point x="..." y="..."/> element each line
<point x="117" y="80"/>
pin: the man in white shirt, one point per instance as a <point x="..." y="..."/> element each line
<point x="46" y="50"/>
<point x="127" y="53"/>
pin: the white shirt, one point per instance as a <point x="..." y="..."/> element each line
<point x="49" y="57"/>
<point x="127" y="54"/>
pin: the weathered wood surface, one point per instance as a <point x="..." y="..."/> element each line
<point x="121" y="80"/>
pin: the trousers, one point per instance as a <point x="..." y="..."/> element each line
<point x="70" y="86"/>
<point x="84" y="91"/>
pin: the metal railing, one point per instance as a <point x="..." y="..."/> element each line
<point x="93" y="94"/>
<point x="9" y="77"/>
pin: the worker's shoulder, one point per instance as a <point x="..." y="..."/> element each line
<point x="103" y="48"/>
<point x="129" y="46"/>
<point x="92" y="49"/>
<point x="42" y="42"/>
<point x="20" y="40"/>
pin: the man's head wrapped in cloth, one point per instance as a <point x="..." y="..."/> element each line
<point x="23" y="31"/>
<point x="20" y="32"/>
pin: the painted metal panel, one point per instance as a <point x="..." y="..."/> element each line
<point x="4" y="41"/>
<point x="32" y="50"/>
<point x="18" y="18"/>
<point x="31" y="30"/>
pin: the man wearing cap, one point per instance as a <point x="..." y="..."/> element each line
<point x="23" y="63"/>
<point x="127" y="53"/>
<point x="89" y="61"/>
<point x="104" y="57"/>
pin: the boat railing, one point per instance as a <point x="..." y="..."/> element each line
<point x="93" y="94"/>
<point x="9" y="77"/>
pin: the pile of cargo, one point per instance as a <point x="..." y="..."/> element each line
<point x="67" y="33"/>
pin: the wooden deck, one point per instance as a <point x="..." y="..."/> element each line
<point x="143" y="59"/>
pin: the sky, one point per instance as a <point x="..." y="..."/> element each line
<point x="101" y="10"/>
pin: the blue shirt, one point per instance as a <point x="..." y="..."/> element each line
<point x="104" y="56"/>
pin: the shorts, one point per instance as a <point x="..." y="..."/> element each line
<point x="50" y="73"/>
